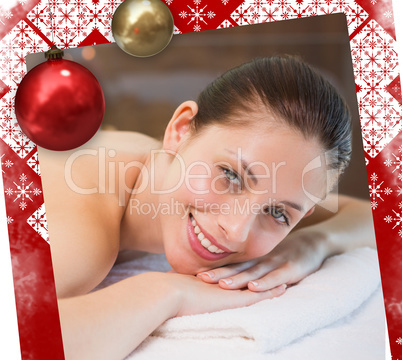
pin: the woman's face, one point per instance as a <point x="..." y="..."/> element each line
<point x="235" y="193"/>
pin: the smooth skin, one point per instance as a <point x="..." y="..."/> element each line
<point x="88" y="197"/>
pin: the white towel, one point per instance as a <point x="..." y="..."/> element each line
<point x="341" y="286"/>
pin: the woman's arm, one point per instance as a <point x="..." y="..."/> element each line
<point x="345" y="223"/>
<point x="303" y="251"/>
<point x="110" y="323"/>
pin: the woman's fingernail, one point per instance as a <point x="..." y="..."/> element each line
<point x="255" y="283"/>
<point x="211" y="275"/>
<point x="227" y="281"/>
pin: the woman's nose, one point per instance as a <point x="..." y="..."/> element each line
<point x="236" y="227"/>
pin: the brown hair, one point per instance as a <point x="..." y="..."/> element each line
<point x="292" y="91"/>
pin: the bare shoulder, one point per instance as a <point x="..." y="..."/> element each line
<point x="121" y="142"/>
<point x="85" y="190"/>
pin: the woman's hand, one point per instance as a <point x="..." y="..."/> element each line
<point x="296" y="257"/>
<point x="198" y="297"/>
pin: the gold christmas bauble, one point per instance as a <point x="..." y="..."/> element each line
<point x="142" y="27"/>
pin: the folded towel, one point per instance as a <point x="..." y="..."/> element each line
<point x="341" y="286"/>
<point x="359" y="335"/>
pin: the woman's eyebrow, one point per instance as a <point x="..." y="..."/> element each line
<point x="245" y="165"/>
<point x="292" y="205"/>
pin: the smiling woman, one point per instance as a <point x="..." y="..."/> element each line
<point x="224" y="196"/>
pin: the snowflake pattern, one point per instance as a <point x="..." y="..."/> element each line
<point x="33" y="163"/>
<point x="197" y="15"/>
<point x="396" y="219"/>
<point x="39" y="223"/>
<point x="5" y="163"/>
<point x="258" y="11"/>
<point x="4" y="15"/>
<point x="23" y="192"/>
<point x="375" y="65"/>
<point x="395" y="162"/>
<point x="377" y="191"/>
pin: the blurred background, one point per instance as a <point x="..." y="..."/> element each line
<point x="141" y="94"/>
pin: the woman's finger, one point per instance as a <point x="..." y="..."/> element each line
<point x="250" y="297"/>
<point x="213" y="276"/>
<point x="241" y="280"/>
<point x="275" y="278"/>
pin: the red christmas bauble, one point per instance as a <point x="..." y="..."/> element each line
<point x="59" y="104"/>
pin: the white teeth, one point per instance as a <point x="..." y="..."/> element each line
<point x="212" y="248"/>
<point x="204" y="241"/>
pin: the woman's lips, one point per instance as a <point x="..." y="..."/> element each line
<point x="213" y="252"/>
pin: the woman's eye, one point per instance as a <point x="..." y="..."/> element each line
<point x="278" y="215"/>
<point x="232" y="176"/>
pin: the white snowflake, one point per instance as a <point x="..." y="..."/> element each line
<point x="399" y="341"/>
<point x="197" y="2"/>
<point x="168" y="2"/>
<point x="7" y="14"/>
<point x="183" y="14"/>
<point x="397" y="219"/>
<point x="400" y="233"/>
<point x="211" y="14"/>
<point x="197" y="15"/>
<point x="388" y="14"/>
<point x="23" y="191"/>
<point x="5" y="164"/>
<point x="375" y="190"/>
<point x="387" y="191"/>
<point x="397" y="163"/>
<point x="23" y="205"/>
<point x="374" y="205"/>
<point x="374" y="2"/>
<point x="9" y="220"/>
<point x="374" y="177"/>
<point x="22" y="2"/>
<point x="224" y="2"/>
<point x="388" y="219"/>
<point x="399" y="191"/>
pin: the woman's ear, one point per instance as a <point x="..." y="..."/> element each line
<point x="178" y="129"/>
<point x="308" y="213"/>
